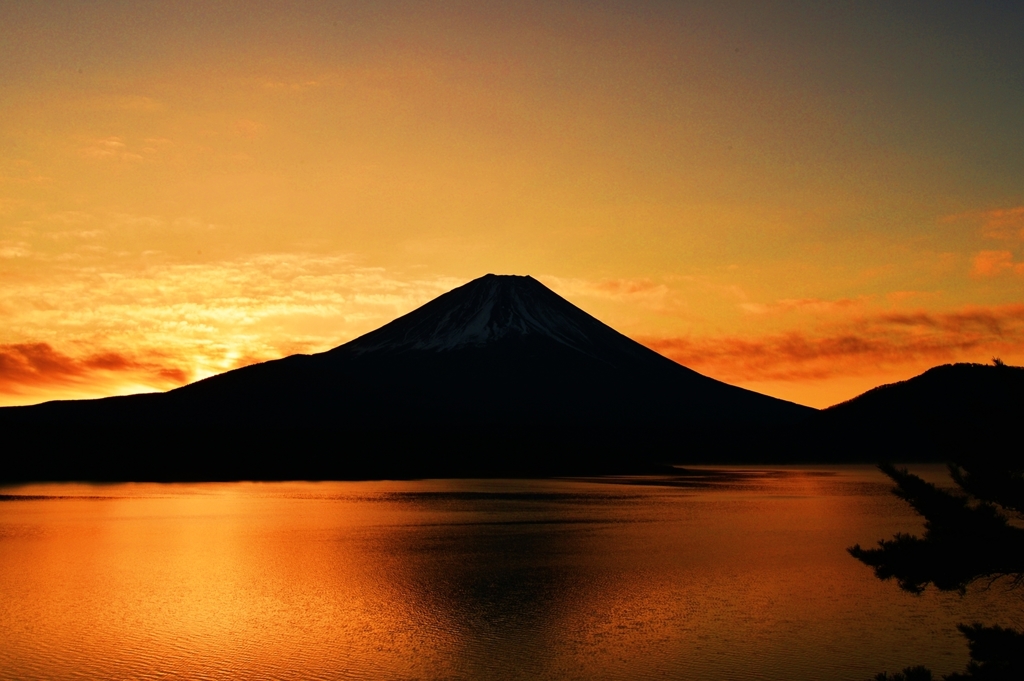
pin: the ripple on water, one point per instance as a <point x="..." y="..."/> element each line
<point x="735" y="574"/>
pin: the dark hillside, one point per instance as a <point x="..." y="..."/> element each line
<point x="940" y="415"/>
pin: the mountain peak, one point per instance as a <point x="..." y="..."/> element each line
<point x="500" y="376"/>
<point x="486" y="310"/>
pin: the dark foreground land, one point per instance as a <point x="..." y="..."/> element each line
<point x="498" y="378"/>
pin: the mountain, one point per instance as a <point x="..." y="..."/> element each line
<point x="500" y="376"/>
<point x="939" y="415"/>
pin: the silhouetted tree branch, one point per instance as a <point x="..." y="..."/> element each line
<point x="968" y="536"/>
<point x="996" y="653"/>
<point x="993" y="481"/>
<point x="963" y="540"/>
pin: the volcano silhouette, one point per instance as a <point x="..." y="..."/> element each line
<point x="500" y="376"/>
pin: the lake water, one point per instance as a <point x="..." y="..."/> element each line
<point x="736" y="576"/>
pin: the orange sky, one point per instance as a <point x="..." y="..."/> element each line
<point x="801" y="200"/>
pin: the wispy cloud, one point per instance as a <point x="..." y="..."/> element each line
<point x="118" y="148"/>
<point x="808" y="340"/>
<point x="995" y="263"/>
<point x="805" y="305"/>
<point x="31" y="368"/>
<point x="194" y="319"/>
<point x="109" y="148"/>
<point x="69" y="218"/>
<point x="15" y="249"/>
<point x="997" y="223"/>
<point x="1004" y="223"/>
<point x="861" y="345"/>
<point x="643" y="291"/>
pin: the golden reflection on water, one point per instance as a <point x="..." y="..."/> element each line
<point x="747" y="578"/>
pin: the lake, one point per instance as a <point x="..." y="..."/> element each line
<point x="732" y="574"/>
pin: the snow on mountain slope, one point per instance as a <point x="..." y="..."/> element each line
<point x="487" y="310"/>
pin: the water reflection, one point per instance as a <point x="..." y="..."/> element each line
<point x="734" y="574"/>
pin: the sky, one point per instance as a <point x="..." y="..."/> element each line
<point x="804" y="199"/>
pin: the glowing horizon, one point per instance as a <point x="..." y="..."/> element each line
<point x="804" y="203"/>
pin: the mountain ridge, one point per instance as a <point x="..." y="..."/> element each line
<point x="500" y="375"/>
<point x="937" y="415"/>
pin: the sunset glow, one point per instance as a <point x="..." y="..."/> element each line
<point x="806" y="201"/>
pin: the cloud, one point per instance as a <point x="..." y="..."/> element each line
<point x="627" y="287"/>
<point x="901" y="296"/>
<point x="643" y="291"/>
<point x="805" y="305"/>
<point x="69" y="217"/>
<point x="863" y="345"/>
<point x="25" y="368"/>
<point x="75" y="234"/>
<point x="120" y="328"/>
<point x="1002" y="224"/>
<point x="14" y="249"/>
<point x="117" y="148"/>
<point x="1006" y="224"/>
<point x="109" y="148"/>
<point x="995" y="263"/>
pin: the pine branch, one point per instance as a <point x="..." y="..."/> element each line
<point x="962" y="542"/>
